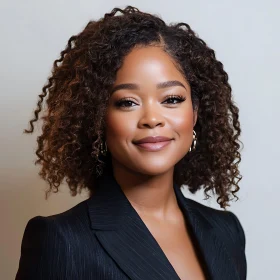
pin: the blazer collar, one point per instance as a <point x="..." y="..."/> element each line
<point x="109" y="207"/>
<point x="124" y="235"/>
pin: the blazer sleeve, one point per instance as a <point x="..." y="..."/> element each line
<point x="242" y="242"/>
<point x="43" y="251"/>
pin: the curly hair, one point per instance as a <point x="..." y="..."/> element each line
<point x="79" y="87"/>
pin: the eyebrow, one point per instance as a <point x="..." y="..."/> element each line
<point x="159" y="86"/>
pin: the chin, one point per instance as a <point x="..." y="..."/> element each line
<point x="153" y="170"/>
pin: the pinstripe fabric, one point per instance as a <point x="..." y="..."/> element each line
<point x="104" y="238"/>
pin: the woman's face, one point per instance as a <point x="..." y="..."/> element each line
<point x="141" y="106"/>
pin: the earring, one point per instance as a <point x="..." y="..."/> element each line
<point x="103" y="148"/>
<point x="194" y="142"/>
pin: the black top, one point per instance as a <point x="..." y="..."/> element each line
<point x="104" y="238"/>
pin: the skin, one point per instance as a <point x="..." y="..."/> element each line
<point x="147" y="177"/>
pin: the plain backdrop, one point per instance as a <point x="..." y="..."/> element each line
<point x="245" y="36"/>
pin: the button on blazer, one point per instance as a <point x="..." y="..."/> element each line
<point x="104" y="238"/>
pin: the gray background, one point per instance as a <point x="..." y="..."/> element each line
<point x="245" y="36"/>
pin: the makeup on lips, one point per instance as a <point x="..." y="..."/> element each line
<point x="154" y="143"/>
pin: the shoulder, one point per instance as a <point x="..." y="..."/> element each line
<point x="49" y="244"/>
<point x="54" y="225"/>
<point x="223" y="221"/>
<point x="53" y="231"/>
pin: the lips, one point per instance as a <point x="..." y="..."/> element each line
<point x="152" y="139"/>
<point x="153" y="144"/>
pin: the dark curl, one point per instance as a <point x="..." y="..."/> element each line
<point x="78" y="91"/>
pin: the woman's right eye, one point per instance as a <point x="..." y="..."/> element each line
<point x="124" y="102"/>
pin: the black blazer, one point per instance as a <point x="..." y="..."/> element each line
<point x="104" y="238"/>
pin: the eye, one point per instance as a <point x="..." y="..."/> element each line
<point x="128" y="102"/>
<point x="177" y="98"/>
<point x="124" y="102"/>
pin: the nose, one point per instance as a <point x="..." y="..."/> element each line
<point x="151" y="117"/>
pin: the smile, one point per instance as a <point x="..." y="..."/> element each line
<point x="153" y="147"/>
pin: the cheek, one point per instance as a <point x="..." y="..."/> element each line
<point x="118" y="126"/>
<point x="182" y="123"/>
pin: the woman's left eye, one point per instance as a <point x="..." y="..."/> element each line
<point x="178" y="98"/>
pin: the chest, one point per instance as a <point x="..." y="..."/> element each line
<point x="177" y="245"/>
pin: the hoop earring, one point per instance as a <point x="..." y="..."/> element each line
<point x="194" y="142"/>
<point x="103" y="148"/>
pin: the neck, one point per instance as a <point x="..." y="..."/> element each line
<point x="150" y="195"/>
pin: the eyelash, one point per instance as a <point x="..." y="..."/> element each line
<point x="180" y="98"/>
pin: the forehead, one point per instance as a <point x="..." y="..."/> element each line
<point x="148" y="63"/>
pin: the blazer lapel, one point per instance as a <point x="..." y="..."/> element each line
<point x="217" y="259"/>
<point x="124" y="236"/>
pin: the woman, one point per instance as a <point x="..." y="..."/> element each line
<point x="135" y="109"/>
